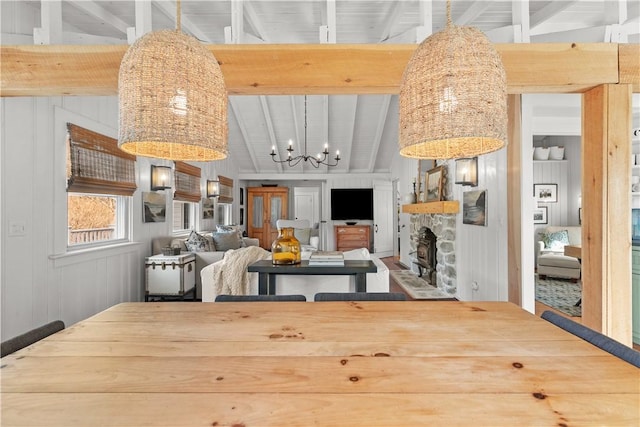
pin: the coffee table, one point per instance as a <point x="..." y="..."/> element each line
<point x="267" y="272"/>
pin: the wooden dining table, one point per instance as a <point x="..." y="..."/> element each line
<point x="413" y="363"/>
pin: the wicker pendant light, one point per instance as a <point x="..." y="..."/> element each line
<point x="172" y="98"/>
<point x="453" y="96"/>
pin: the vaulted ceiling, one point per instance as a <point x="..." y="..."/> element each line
<point x="363" y="127"/>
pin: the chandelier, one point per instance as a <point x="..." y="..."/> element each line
<point x="320" y="159"/>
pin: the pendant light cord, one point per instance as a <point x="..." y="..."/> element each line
<point x="448" y="13"/>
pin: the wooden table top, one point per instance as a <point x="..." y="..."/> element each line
<point x="411" y="363"/>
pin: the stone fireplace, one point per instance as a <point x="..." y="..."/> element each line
<point x="433" y="251"/>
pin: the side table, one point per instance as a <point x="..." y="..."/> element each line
<point x="170" y="276"/>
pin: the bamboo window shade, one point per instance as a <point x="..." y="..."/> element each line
<point x="226" y="190"/>
<point x="187" y="182"/>
<point x="96" y="165"/>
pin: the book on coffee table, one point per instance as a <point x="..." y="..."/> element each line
<point x="326" y="258"/>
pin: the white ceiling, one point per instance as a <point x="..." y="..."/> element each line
<point x="363" y="127"/>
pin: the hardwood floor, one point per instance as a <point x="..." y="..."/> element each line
<point x="392" y="263"/>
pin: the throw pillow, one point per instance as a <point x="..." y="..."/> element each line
<point x="555" y="240"/>
<point x="226" y="241"/>
<point x="231" y="229"/>
<point x="303" y="235"/>
<point x="197" y="243"/>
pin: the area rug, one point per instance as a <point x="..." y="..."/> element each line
<point x="559" y="294"/>
<point x="417" y="287"/>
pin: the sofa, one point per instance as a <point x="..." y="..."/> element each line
<point x="203" y="257"/>
<point x="307" y="285"/>
<point x="551" y="260"/>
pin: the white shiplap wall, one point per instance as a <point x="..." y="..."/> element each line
<point x="481" y="252"/>
<point x="40" y="282"/>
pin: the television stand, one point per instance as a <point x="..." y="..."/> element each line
<point x="349" y="237"/>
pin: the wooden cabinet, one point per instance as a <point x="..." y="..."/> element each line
<point x="266" y="205"/>
<point x="352" y="237"/>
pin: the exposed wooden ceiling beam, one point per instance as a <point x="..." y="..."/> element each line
<point x="629" y="67"/>
<point x="305" y="69"/>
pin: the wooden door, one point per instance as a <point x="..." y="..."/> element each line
<point x="266" y="205"/>
<point x="306" y="204"/>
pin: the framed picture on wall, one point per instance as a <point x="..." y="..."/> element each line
<point x="540" y="215"/>
<point x="433" y="182"/>
<point x="241" y="196"/>
<point x="154" y="206"/>
<point x="545" y="193"/>
<point x="474" y="207"/>
<point x="241" y="215"/>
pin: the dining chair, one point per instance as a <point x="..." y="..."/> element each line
<point x="21" y="341"/>
<point x="601" y="341"/>
<point x="259" y="298"/>
<point x="360" y="296"/>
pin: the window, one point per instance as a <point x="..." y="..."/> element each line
<point x="184" y="216"/>
<point x="100" y="183"/>
<point x="186" y="198"/>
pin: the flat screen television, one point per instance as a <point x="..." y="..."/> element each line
<point x="351" y="203"/>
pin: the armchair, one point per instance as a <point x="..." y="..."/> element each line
<point x="308" y="237"/>
<point x="551" y="260"/>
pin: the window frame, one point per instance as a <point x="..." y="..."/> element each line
<point x="61" y="245"/>
<point x="194" y="223"/>
<point x="122" y="221"/>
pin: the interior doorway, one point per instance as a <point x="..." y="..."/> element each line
<point x="306" y="204"/>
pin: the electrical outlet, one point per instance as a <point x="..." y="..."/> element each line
<point x="474" y="285"/>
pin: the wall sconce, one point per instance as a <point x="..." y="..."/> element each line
<point x="213" y="188"/>
<point x="467" y="171"/>
<point x="160" y="177"/>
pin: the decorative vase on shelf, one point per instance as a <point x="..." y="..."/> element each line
<point x="409" y="198"/>
<point x="285" y="250"/>
<point x="556" y="152"/>
<point x="541" y="153"/>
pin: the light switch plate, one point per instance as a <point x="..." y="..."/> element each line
<point x="17" y="228"/>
